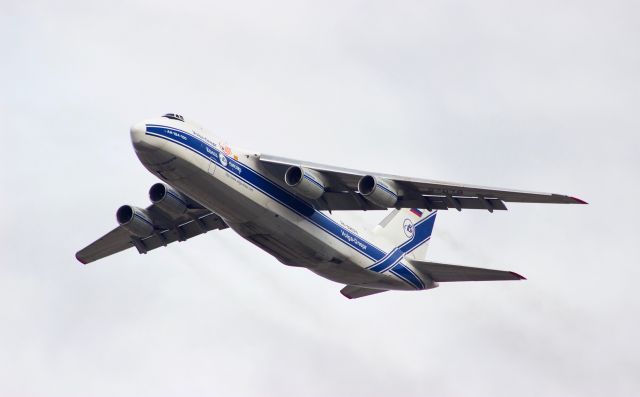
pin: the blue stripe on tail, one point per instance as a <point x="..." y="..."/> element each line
<point x="421" y="234"/>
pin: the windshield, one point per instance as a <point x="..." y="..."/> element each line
<point x="174" y="116"/>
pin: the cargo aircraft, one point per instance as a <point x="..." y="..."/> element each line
<point x="285" y="207"/>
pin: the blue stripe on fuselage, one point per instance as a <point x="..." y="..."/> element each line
<point x="280" y="195"/>
<point x="407" y="275"/>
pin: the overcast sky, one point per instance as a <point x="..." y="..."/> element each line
<point x="537" y="95"/>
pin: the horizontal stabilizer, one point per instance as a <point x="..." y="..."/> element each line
<point x="354" y="291"/>
<point x="442" y="272"/>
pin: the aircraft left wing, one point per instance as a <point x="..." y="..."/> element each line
<point x="163" y="227"/>
<point x="347" y="189"/>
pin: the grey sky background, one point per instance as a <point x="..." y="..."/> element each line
<point x="537" y="95"/>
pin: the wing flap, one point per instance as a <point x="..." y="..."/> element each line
<point x="442" y="272"/>
<point x="182" y="232"/>
<point x="444" y="203"/>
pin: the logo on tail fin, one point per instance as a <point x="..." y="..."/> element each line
<point x="407" y="226"/>
<point x="418" y="234"/>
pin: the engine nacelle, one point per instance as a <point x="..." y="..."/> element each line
<point x="379" y="191"/>
<point x="135" y="220"/>
<point x="308" y="183"/>
<point x="168" y="199"/>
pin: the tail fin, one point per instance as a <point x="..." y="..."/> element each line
<point x="408" y="229"/>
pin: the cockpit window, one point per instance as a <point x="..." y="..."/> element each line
<point x="174" y="116"/>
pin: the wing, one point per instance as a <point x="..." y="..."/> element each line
<point x="168" y="229"/>
<point x="442" y="272"/>
<point x="343" y="190"/>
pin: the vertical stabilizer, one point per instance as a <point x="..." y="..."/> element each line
<point x="407" y="229"/>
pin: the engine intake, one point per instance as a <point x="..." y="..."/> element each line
<point x="135" y="220"/>
<point x="309" y="183"/>
<point x="168" y="199"/>
<point x="379" y="191"/>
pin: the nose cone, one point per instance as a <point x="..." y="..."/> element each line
<point x="141" y="141"/>
<point x="138" y="131"/>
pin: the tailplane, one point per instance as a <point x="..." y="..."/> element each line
<point x="405" y="234"/>
<point x="443" y="272"/>
<point x="355" y="291"/>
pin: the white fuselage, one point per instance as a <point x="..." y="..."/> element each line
<point x="261" y="209"/>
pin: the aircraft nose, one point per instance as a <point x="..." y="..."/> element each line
<point x="138" y="131"/>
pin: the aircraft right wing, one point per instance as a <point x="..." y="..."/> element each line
<point x="348" y="189"/>
<point x="163" y="227"/>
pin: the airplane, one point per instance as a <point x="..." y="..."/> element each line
<point x="285" y="207"/>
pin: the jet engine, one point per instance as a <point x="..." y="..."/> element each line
<point x="379" y="191"/>
<point x="308" y="183"/>
<point x="135" y="220"/>
<point x="168" y="199"/>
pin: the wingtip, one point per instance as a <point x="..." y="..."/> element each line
<point x="346" y="296"/>
<point x="518" y="276"/>
<point x="577" y="200"/>
<point x="84" y="262"/>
